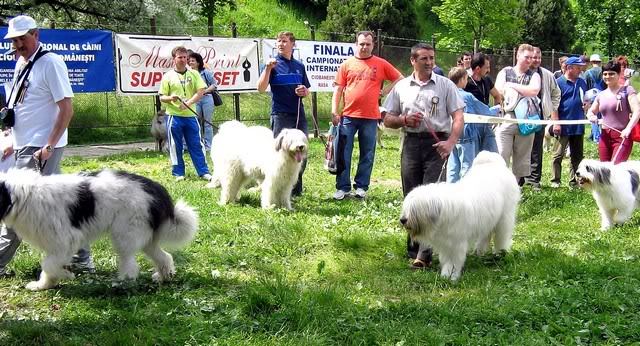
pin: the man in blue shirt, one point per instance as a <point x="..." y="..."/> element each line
<point x="572" y="89"/>
<point x="289" y="84"/>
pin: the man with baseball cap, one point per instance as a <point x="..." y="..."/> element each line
<point x="593" y="76"/>
<point x="40" y="99"/>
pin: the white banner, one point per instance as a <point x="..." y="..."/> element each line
<point x="143" y="59"/>
<point x="321" y="59"/>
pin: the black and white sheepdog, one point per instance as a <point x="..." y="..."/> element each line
<point x="242" y="155"/>
<point x="614" y="187"/>
<point x="454" y="218"/>
<point x="58" y="214"/>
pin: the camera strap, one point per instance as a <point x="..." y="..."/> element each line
<point x="22" y="77"/>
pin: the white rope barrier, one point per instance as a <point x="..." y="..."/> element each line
<point x="485" y="119"/>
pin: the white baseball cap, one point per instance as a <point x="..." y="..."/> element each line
<point x="19" y="26"/>
<point x="595" y="57"/>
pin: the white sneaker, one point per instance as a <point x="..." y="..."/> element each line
<point x="339" y="195"/>
<point x="206" y="177"/>
<point x="555" y="185"/>
<point x="360" y="193"/>
<point x="179" y="177"/>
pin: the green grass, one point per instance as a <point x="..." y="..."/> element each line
<point x="335" y="273"/>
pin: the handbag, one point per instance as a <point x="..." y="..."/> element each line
<point x="528" y="109"/>
<point x="217" y="99"/>
<point x="334" y="151"/>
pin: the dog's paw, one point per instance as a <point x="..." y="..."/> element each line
<point x="37" y="286"/>
<point x="159" y="278"/>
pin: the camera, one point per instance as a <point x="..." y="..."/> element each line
<point x="8" y="117"/>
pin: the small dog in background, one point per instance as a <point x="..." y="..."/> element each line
<point x="453" y="217"/>
<point x="614" y="188"/>
<point x="549" y="138"/>
<point x="159" y="130"/>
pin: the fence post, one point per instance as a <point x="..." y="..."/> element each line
<point x="513" y="57"/>
<point x="433" y="41"/>
<point x="553" y="60"/>
<point x="379" y="42"/>
<point x="236" y="96"/>
<point x="157" y="104"/>
<point x="475" y="46"/>
<point x="314" y="95"/>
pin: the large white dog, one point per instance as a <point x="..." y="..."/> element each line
<point x="614" y="187"/>
<point x="242" y="154"/>
<point x="452" y="217"/>
<point x="60" y="213"/>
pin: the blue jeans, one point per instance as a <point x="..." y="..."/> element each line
<point x="281" y="121"/>
<point x="367" y="130"/>
<point x="476" y="138"/>
<point x="205" y="107"/>
<point x="187" y="128"/>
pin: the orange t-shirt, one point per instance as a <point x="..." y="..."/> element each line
<point x="362" y="80"/>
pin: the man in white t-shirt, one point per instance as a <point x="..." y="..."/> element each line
<point x="43" y="110"/>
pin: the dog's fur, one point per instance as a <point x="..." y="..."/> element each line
<point x="159" y="130"/>
<point x="242" y="154"/>
<point x="451" y="217"/>
<point x="60" y="213"/>
<point x="614" y="187"/>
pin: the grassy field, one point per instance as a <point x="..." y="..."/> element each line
<point x="335" y="273"/>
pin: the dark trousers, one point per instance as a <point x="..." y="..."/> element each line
<point x="536" y="159"/>
<point x="576" y="147"/>
<point x="281" y="121"/>
<point x="420" y="164"/>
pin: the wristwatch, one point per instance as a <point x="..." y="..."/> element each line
<point x="48" y="148"/>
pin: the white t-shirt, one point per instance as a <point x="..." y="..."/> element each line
<point x="37" y="114"/>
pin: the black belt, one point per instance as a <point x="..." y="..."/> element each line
<point x="427" y="134"/>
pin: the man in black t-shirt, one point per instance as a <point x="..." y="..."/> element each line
<point x="479" y="83"/>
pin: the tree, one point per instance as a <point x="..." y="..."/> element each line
<point x="76" y="13"/>
<point x="610" y="26"/>
<point x="209" y="9"/>
<point x="395" y="17"/>
<point x="549" y="24"/>
<point x="490" y="23"/>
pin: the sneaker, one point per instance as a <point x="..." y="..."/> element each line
<point x="179" y="177"/>
<point x="360" y="193"/>
<point x="339" y="195"/>
<point x="555" y="185"/>
<point x="206" y="177"/>
<point x="80" y="266"/>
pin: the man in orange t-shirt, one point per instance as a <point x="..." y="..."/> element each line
<point x="359" y="83"/>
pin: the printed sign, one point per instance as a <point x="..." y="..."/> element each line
<point x="321" y="59"/>
<point x="87" y="53"/>
<point x="143" y="59"/>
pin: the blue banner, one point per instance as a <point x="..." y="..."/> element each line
<point x="87" y="53"/>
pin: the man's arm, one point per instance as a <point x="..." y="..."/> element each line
<point x="62" y="122"/>
<point x="497" y="97"/>
<point x="529" y="90"/>
<point x="444" y="148"/>
<point x="263" y="81"/>
<point x="385" y="91"/>
<point x="338" y="92"/>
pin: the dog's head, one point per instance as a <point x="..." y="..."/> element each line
<point x="592" y="173"/>
<point x="421" y="211"/>
<point x="294" y="142"/>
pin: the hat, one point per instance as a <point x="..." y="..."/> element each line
<point x="574" y="60"/>
<point x="595" y="57"/>
<point x="19" y="26"/>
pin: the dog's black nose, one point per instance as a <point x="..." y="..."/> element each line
<point x="403" y="220"/>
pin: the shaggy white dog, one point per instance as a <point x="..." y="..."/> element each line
<point x="614" y="187"/>
<point x="242" y="154"/>
<point x="60" y="213"/>
<point x="452" y="217"/>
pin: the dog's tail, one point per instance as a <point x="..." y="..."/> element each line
<point x="181" y="229"/>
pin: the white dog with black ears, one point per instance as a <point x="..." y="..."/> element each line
<point x="60" y="213"/>
<point x="452" y="218"/>
<point x="242" y="154"/>
<point x="614" y="187"/>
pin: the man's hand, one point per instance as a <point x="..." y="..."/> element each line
<point x="413" y="120"/>
<point x="302" y="91"/>
<point x="335" y="119"/>
<point x="271" y="63"/>
<point x="42" y="154"/>
<point x="444" y="148"/>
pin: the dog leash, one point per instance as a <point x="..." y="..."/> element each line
<point x="196" y="114"/>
